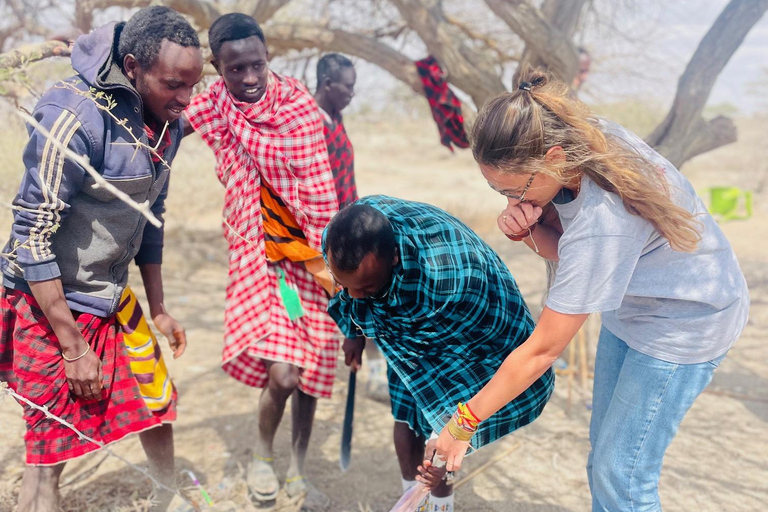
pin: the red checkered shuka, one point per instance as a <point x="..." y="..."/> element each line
<point x="342" y="158"/>
<point x="446" y="108"/>
<point x="278" y="139"/>
<point x="31" y="363"/>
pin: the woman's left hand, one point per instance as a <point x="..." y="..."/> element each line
<point x="451" y="450"/>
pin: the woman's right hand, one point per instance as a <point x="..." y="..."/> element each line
<point x="84" y="376"/>
<point x="516" y="219"/>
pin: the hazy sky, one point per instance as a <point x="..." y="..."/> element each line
<point x="673" y="33"/>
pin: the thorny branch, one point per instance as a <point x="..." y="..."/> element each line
<point x="82" y="160"/>
<point x="5" y="389"/>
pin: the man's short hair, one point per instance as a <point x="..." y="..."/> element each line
<point x="330" y="65"/>
<point x="357" y="231"/>
<point x="233" y="27"/>
<point x="144" y="33"/>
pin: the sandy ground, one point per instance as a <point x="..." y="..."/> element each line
<point x="718" y="462"/>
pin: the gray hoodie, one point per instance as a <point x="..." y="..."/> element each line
<point x="66" y="226"/>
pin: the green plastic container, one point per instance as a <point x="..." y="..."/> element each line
<point x="730" y="203"/>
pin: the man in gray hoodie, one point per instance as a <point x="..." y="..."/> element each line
<point x="65" y="267"/>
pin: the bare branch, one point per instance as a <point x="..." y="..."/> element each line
<point x="679" y="136"/>
<point x="265" y="9"/>
<point x="142" y="208"/>
<point x="22" y="56"/>
<point x="486" y="40"/>
<point x="564" y="15"/>
<point x="283" y="37"/>
<point x="202" y="12"/>
<point x="540" y="36"/>
<point x="467" y="69"/>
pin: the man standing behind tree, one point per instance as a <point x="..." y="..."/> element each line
<point x="72" y="241"/>
<point x="335" y="88"/>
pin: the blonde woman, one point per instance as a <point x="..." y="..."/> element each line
<point x="633" y="242"/>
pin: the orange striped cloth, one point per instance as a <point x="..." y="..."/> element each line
<point x="283" y="238"/>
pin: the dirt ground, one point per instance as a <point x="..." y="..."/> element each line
<point x="718" y="462"/>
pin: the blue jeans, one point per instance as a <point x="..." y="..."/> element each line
<point x="637" y="406"/>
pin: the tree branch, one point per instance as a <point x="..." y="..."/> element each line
<point x="563" y="15"/>
<point x="282" y="37"/>
<point x="265" y="9"/>
<point x="540" y="36"/>
<point x="143" y="208"/>
<point x="30" y="53"/>
<point x="680" y="135"/>
<point x="202" y="12"/>
<point x="467" y="69"/>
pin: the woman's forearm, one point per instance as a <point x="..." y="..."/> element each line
<point x="527" y="362"/>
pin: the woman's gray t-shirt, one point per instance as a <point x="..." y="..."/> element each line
<point x="676" y="306"/>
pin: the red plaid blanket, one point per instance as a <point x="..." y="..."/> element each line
<point x="278" y="139"/>
<point x="446" y="108"/>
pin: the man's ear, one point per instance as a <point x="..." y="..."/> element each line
<point x="216" y="65"/>
<point x="396" y="257"/>
<point x="130" y="65"/>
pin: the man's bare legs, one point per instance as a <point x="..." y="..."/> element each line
<point x="158" y="445"/>
<point x="40" y="488"/>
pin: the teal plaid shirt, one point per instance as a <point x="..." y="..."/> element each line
<point x="451" y="315"/>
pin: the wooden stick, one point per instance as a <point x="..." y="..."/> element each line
<point x="487" y="464"/>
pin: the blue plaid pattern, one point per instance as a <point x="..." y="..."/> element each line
<point x="451" y="315"/>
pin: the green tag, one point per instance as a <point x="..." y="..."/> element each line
<point x="291" y="299"/>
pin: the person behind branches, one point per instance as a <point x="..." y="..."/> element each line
<point x="72" y="241"/>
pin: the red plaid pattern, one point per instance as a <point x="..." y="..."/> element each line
<point x="278" y="139"/>
<point x="446" y="108"/>
<point x="30" y="360"/>
<point x="309" y="343"/>
<point x="342" y="158"/>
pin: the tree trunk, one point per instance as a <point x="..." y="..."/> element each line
<point x="282" y="37"/>
<point x="563" y="15"/>
<point x="467" y="69"/>
<point x="541" y="37"/>
<point x="684" y="133"/>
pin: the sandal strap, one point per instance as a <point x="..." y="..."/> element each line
<point x="264" y="459"/>
<point x="294" y="479"/>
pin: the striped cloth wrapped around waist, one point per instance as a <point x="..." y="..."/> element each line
<point x="146" y="357"/>
<point x="282" y="235"/>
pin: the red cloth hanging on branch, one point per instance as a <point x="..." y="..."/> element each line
<point x="446" y="108"/>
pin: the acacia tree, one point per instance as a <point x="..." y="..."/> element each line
<point x="515" y="33"/>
